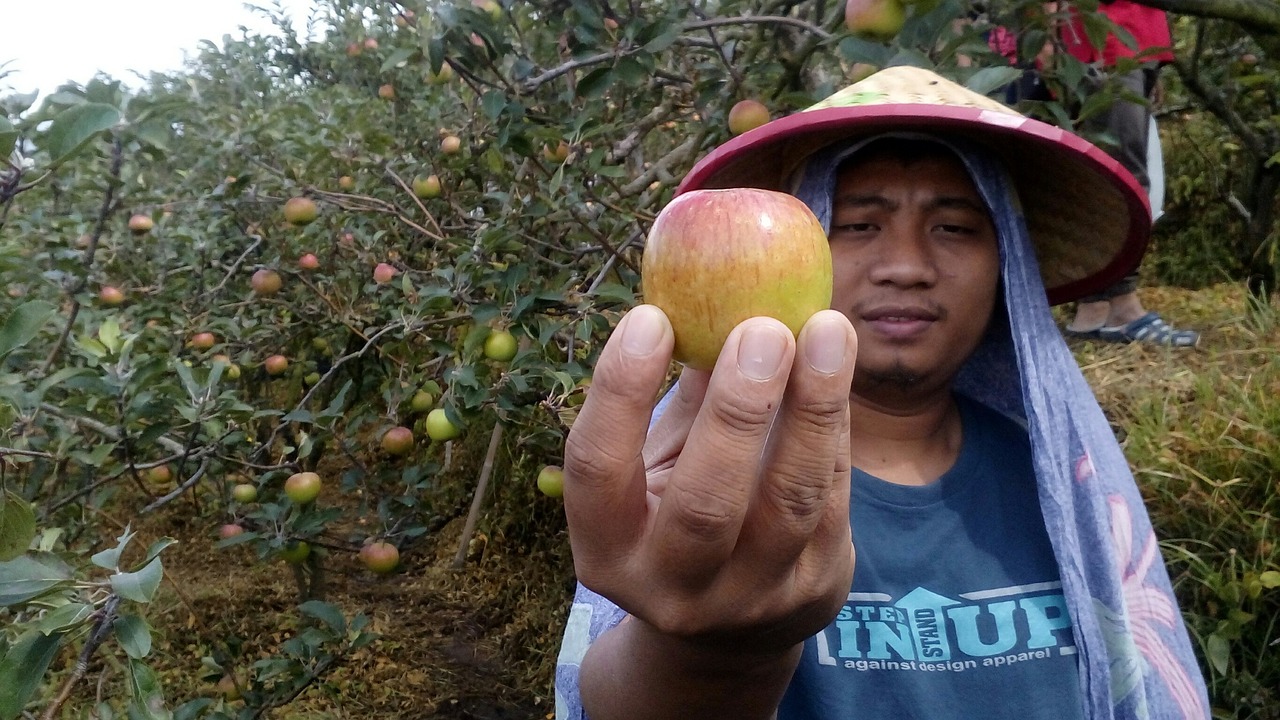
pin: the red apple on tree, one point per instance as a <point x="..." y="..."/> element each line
<point x="276" y="365"/>
<point x="309" y="262"/>
<point x="230" y="530"/>
<point x="397" y="441"/>
<point x="380" y="557"/>
<point x="747" y="115"/>
<point x="265" y="282"/>
<point x="302" y="487"/>
<point x="370" y="43"/>
<point x="714" y="258"/>
<point x="141" y="224"/>
<point x="203" y="340"/>
<point x="384" y="273"/>
<point x="387" y="91"/>
<point x="111" y="296"/>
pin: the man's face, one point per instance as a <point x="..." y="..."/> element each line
<point x="916" y="267"/>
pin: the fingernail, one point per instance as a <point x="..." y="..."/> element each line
<point x="825" y="345"/>
<point x="643" y="332"/>
<point x="760" y="352"/>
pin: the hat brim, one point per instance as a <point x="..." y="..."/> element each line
<point x="1089" y="219"/>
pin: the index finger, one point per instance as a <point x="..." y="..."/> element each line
<point x="604" y="474"/>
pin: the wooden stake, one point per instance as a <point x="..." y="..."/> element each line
<point x="476" y="502"/>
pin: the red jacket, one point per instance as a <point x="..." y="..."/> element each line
<point x="1148" y="26"/>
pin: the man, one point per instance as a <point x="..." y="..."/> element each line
<point x="1116" y="314"/>
<point x="915" y="508"/>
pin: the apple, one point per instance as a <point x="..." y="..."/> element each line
<point x="557" y="154"/>
<point x="203" y="340"/>
<point x="141" y="224"/>
<point x="265" y="282"/>
<point x="876" y="19"/>
<point x="346" y="182"/>
<point x="384" y="273"/>
<point x="387" y="91"/>
<point x="714" y="258"/>
<point x="229" y="530"/>
<point x="295" y="553"/>
<point x="309" y="262"/>
<point x="440" y="78"/>
<point x="747" y="115"/>
<point x="439" y="427"/>
<point x="551" y="481"/>
<point x="397" y="441"/>
<point x="83" y="241"/>
<point x="421" y="401"/>
<point x="610" y="24"/>
<point x="500" y="345"/>
<point x="111" y="296"/>
<point x="276" y="364"/>
<point x="158" y="475"/>
<point x="862" y="71"/>
<point x="300" y="211"/>
<point x="232" y="372"/>
<point x="228" y="689"/>
<point x="302" y="487"/>
<point x="320" y="345"/>
<point x="311" y="378"/>
<point x="370" y="43"/>
<point x="489" y="6"/>
<point x="380" y="557"/>
<point x="451" y="145"/>
<point x="354" y="49"/>
<point x="427" y="187"/>
<point x="245" y="492"/>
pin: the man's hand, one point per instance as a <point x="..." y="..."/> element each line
<point x="725" y="529"/>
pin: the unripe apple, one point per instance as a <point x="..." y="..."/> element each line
<point x="714" y="258"/>
<point x="158" y="475"/>
<point x="491" y="7"/>
<point x="557" y="154"/>
<point x="397" y="441"/>
<point x="295" y="553"/>
<point x="141" y="224"/>
<point x="427" y="187"/>
<point x="302" y="487"/>
<point x="387" y="91"/>
<point x="232" y="372"/>
<point x="111" y="296"/>
<point x="276" y="364"/>
<point x="384" y="273"/>
<point x="440" y="78"/>
<point x="451" y="145"/>
<point x="346" y="182"/>
<point x="309" y="262"/>
<point x="876" y="19"/>
<point x="265" y="282"/>
<point x="311" y="378"/>
<point x="747" y="115"/>
<point x="300" y="211"/>
<point x="380" y="557"/>
<point x="245" y="492"/>
<point x="551" y="481"/>
<point x="500" y="345"/>
<point x="422" y="401"/>
<point x="203" y="340"/>
<point x="439" y="427"/>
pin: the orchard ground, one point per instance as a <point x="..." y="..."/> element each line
<point x="480" y="642"/>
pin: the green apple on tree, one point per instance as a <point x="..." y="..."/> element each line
<point x="295" y="552"/>
<point x="158" y="475"/>
<point x="300" y="211"/>
<point x="244" y="492"/>
<point x="422" y="401"/>
<point x="706" y="250"/>
<point x="500" y="345"/>
<point x="551" y="481"/>
<point x="439" y="427"/>
<point x="747" y="115"/>
<point x="877" y="19"/>
<point x="427" y="188"/>
<point x="302" y="487"/>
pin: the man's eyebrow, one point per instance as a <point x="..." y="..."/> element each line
<point x="865" y="201"/>
<point x="956" y="202"/>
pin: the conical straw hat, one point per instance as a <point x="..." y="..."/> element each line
<point x="1089" y="219"/>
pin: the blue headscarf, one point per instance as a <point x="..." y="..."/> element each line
<point x="1136" y="660"/>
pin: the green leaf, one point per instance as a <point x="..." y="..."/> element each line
<point x="988" y="80"/>
<point x="17" y="526"/>
<point x="148" y="699"/>
<point x="134" y="635"/>
<point x="73" y="128"/>
<point x="109" y="335"/>
<point x="328" y="613"/>
<point x="1270" y="579"/>
<point x="23" y="324"/>
<point x="8" y="137"/>
<point x="139" y="586"/>
<point x="28" y="576"/>
<point x="110" y="558"/>
<point x="22" y="669"/>
<point x="1219" y="653"/>
<point x="156" y="548"/>
<point x="400" y="55"/>
<point x="65" y="618"/>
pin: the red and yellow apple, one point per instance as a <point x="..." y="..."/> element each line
<point x="877" y="19"/>
<point x="300" y="211"/>
<point x="380" y="557"/>
<point x="384" y="273"/>
<point x="428" y="187"/>
<point x="397" y="441"/>
<point x="309" y="262"/>
<point x="111" y="296"/>
<point x="302" y="487"/>
<point x="714" y="258"/>
<point x="747" y="115"/>
<point x="451" y="145"/>
<point x="203" y="341"/>
<point x="265" y="282"/>
<point x="141" y="224"/>
<point x="276" y="364"/>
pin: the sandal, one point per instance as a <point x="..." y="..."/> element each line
<point x="1094" y="334"/>
<point x="1151" y="329"/>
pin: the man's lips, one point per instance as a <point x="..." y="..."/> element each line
<point x="899" y="322"/>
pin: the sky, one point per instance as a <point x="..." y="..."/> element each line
<point x="47" y="42"/>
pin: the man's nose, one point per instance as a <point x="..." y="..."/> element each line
<point x="905" y="259"/>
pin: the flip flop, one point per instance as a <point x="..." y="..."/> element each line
<point x="1150" y="329"/>
<point x="1094" y="334"/>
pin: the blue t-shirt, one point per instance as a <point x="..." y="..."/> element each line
<point x="956" y="610"/>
